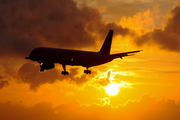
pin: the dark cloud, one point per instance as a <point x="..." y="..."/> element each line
<point x="3" y="82"/>
<point x="145" y="109"/>
<point x="26" y="24"/>
<point x="167" y="38"/>
<point x="2" y="77"/>
<point x="83" y="78"/>
<point x="30" y="73"/>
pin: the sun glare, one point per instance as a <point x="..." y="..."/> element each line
<point x="112" y="89"/>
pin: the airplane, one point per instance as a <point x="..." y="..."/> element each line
<point x="47" y="57"/>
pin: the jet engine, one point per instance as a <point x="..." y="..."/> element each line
<point x="47" y="65"/>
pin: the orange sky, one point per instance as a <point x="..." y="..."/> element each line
<point x="148" y="82"/>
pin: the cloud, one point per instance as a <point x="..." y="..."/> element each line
<point x="147" y="108"/>
<point x="3" y="82"/>
<point x="30" y="73"/>
<point x="105" y="101"/>
<point x="138" y="21"/>
<point x="26" y="24"/>
<point x="19" y="111"/>
<point x="167" y="38"/>
<point x="116" y="9"/>
<point x="103" y="79"/>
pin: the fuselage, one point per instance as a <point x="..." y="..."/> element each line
<point x="69" y="57"/>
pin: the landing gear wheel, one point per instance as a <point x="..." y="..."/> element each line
<point x="87" y="71"/>
<point x="65" y="73"/>
<point x="41" y="70"/>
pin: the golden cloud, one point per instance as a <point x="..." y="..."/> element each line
<point x="167" y="38"/>
<point x="147" y="108"/>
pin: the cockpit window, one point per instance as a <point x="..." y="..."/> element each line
<point x="35" y="51"/>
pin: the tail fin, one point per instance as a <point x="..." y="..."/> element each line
<point x="106" y="47"/>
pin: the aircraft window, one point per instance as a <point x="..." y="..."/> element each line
<point x="36" y="52"/>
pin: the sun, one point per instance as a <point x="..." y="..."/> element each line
<point x="112" y="89"/>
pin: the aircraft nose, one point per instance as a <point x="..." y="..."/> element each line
<point x="34" y="56"/>
<point x="30" y="56"/>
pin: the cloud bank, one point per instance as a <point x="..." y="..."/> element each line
<point x="147" y="108"/>
<point x="29" y="73"/>
<point x="26" y="24"/>
<point x="167" y="38"/>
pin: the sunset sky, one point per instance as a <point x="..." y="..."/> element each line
<point x="148" y="82"/>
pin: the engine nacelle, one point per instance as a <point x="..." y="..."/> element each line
<point x="47" y="65"/>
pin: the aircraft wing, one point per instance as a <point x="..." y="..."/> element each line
<point x="120" y="55"/>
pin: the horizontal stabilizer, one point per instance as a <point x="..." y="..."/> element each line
<point x="125" y="54"/>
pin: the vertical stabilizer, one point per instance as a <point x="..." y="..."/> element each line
<point x="106" y="47"/>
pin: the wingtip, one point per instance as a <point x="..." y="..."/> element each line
<point x="140" y="50"/>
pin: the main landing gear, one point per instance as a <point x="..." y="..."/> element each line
<point x="87" y="71"/>
<point x="64" y="72"/>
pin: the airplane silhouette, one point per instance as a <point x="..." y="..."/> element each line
<point x="47" y="57"/>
